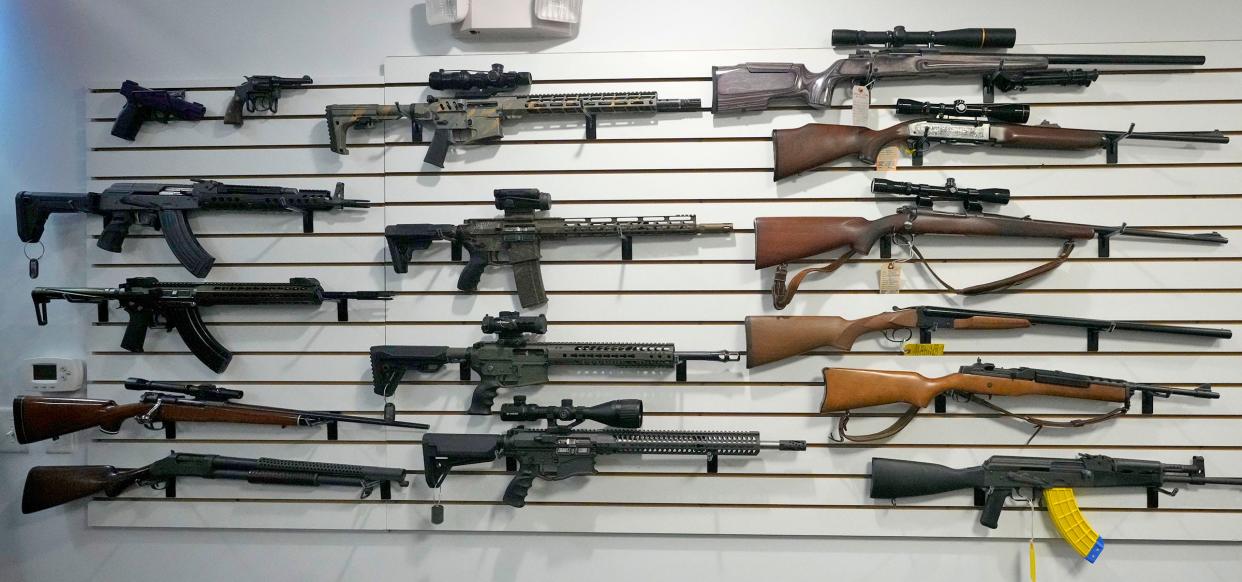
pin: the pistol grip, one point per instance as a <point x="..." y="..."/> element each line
<point x="233" y="115"/>
<point x="135" y="337"/>
<point x="116" y="228"/>
<point x="483" y="397"/>
<point x="128" y="122"/>
<point x="993" y="505"/>
<point x="473" y="271"/>
<point x="519" y="487"/>
<point x="438" y="149"/>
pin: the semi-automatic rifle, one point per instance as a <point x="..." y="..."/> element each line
<point x="847" y="389"/>
<point x="475" y="113"/>
<point x="164" y="207"/>
<point x="515" y="240"/>
<point x="143" y="105"/>
<point x="37" y="418"/>
<point x="754" y="86"/>
<point x="815" y="144"/>
<point x="153" y="304"/>
<point x="772" y="338"/>
<point x="260" y="93"/>
<point x="1001" y="477"/>
<point x="47" y="487"/>
<point x="512" y="360"/>
<point x="780" y="240"/>
<point x="560" y="452"/>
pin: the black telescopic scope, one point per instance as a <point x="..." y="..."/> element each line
<point x="493" y="81"/>
<point x="949" y="191"/>
<point x="1013" y="113"/>
<point x="899" y="36"/>
<point x="200" y="391"/>
<point x="626" y="413"/>
<point x="513" y="323"/>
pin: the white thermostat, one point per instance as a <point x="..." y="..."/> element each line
<point x="55" y="374"/>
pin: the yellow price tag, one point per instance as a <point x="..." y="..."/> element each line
<point x="923" y="349"/>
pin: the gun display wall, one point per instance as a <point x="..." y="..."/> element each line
<point x="691" y="291"/>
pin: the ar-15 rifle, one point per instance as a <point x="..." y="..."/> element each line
<point x="512" y="360"/>
<point x="779" y="240"/>
<point x="143" y="105"/>
<point x="515" y="239"/>
<point x="474" y="114"/>
<point x="814" y="144"/>
<point x="847" y="389"/>
<point x="560" y="452"/>
<point x="1002" y="476"/>
<point x="47" y="487"/>
<point x="164" y="207"/>
<point x="260" y="93"/>
<point x="151" y="304"/>
<point x="753" y="86"/>
<point x="772" y="338"/>
<point x="37" y="418"/>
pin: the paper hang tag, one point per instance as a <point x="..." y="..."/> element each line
<point x="886" y="160"/>
<point x="923" y="349"/>
<point x="890" y="277"/>
<point x="860" y="99"/>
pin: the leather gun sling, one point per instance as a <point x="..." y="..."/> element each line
<point x="1040" y="423"/>
<point x="782" y="294"/>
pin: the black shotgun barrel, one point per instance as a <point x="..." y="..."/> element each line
<point x="899" y="36"/>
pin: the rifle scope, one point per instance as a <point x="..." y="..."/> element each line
<point x="950" y="191"/>
<point x="512" y="323"/>
<point x="1013" y="113"/>
<point x="616" y="413"/>
<point x="483" y="82"/>
<point x="521" y="199"/>
<point x="899" y="36"/>
<point x="209" y="392"/>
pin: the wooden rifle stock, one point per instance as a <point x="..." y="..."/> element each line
<point x="37" y="418"/>
<point x="48" y="487"/>
<point x="771" y="338"/>
<point x="851" y="388"/>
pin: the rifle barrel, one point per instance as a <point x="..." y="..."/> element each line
<point x="1214" y="136"/>
<point x="1081" y="59"/>
<point x="1212" y="237"/>
<point x="1098" y="324"/>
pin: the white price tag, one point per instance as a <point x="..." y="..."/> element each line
<point x="860" y="98"/>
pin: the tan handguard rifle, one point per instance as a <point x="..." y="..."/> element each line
<point x="847" y="389"/>
<point x="815" y="144"/>
<point x="772" y="338"/>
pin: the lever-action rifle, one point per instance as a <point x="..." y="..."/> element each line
<point x="772" y="338"/>
<point x="475" y="114"/>
<point x="37" y="418"/>
<point x="48" y="487"/>
<point x="779" y="240"/>
<point x="152" y="304"/>
<point x="515" y="239"/>
<point x="260" y="93"/>
<point x="143" y="105"/>
<point x="815" y="144"/>
<point x="846" y="389"/>
<point x="1001" y="477"/>
<point x="753" y="86"/>
<point x="560" y="452"/>
<point x="512" y="360"/>
<point x="164" y="207"/>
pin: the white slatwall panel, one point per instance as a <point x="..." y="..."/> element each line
<point x="692" y="291"/>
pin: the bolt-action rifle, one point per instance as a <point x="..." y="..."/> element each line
<point x="755" y="86"/>
<point x="37" y="418"/>
<point x="514" y="240"/>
